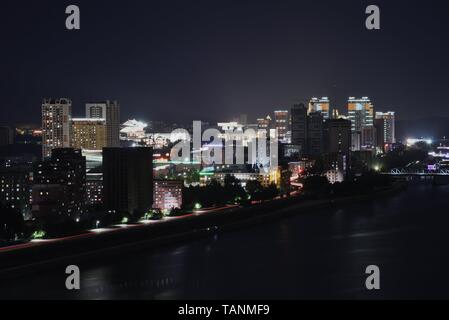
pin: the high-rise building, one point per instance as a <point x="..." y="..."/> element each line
<point x="94" y="176"/>
<point x="360" y="113"/>
<point x="389" y="127"/>
<point x="110" y="111"/>
<point x="337" y="133"/>
<point x="368" y="138"/>
<point x="264" y="123"/>
<point x="321" y="105"/>
<point x="128" y="179"/>
<point x="299" y="126"/>
<point x="15" y="185"/>
<point x="60" y="184"/>
<point x="94" y="188"/>
<point x="379" y="125"/>
<point x="89" y="134"/>
<point x="315" y="134"/>
<point x="56" y="125"/>
<point x="282" y="122"/>
<point x="356" y="140"/>
<point x="264" y="126"/>
<point x="6" y="136"/>
<point x="167" y="194"/>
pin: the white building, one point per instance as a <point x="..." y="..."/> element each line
<point x="133" y="130"/>
<point x="334" y="176"/>
<point x="167" y="194"/>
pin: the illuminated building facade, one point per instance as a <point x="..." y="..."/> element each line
<point x="264" y="123"/>
<point x="321" y="105"/>
<point x="89" y="134"/>
<point x="360" y="113"/>
<point x="282" y="121"/>
<point x="56" y="125"/>
<point x="94" y="188"/>
<point x="133" y="130"/>
<point x="59" y="184"/>
<point x="334" y="176"/>
<point x="94" y="176"/>
<point x="265" y="179"/>
<point x="167" y="194"/>
<point x="109" y="110"/>
<point x="389" y="126"/>
<point x="15" y="186"/>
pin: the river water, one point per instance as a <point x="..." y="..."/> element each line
<point x="319" y="255"/>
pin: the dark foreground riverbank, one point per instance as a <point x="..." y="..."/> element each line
<point x="76" y="249"/>
<point x="321" y="254"/>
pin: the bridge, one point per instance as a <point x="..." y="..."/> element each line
<point x="418" y="172"/>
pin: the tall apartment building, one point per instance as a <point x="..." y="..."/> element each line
<point x="299" y="126"/>
<point x="360" y="113"/>
<point x="110" y="111"/>
<point x="264" y="123"/>
<point x="337" y="133"/>
<point x="315" y="134"/>
<point x="389" y="127"/>
<point x="128" y="179"/>
<point x="89" y="134"/>
<point x="379" y="125"/>
<point x="56" y="125"/>
<point x="282" y="123"/>
<point x="337" y="145"/>
<point x="59" y="184"/>
<point x="321" y="105"/>
<point x="15" y="185"/>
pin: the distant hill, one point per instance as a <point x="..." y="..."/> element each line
<point x="435" y="128"/>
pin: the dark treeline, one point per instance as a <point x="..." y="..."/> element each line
<point x="231" y="192"/>
<point x="368" y="182"/>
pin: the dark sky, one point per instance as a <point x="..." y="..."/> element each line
<point x="180" y="60"/>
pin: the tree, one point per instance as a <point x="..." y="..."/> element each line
<point x="254" y="189"/>
<point x="193" y="176"/>
<point x="11" y="223"/>
<point x="233" y="190"/>
<point x="316" y="185"/>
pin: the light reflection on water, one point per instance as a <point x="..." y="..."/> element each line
<point x="318" y="255"/>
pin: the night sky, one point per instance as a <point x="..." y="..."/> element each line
<point x="212" y="60"/>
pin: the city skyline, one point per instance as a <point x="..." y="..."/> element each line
<point x="217" y="149"/>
